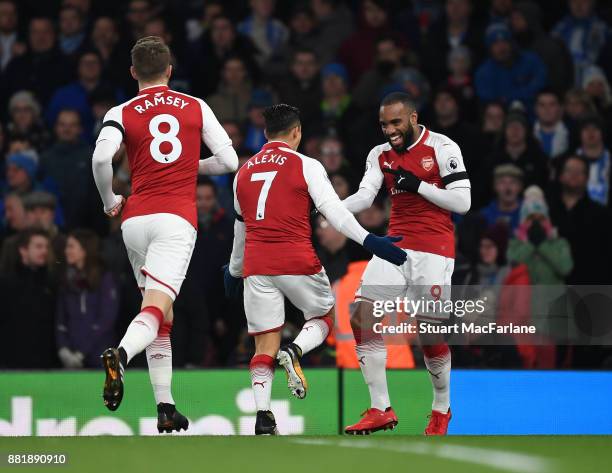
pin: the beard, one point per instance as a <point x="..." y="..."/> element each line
<point x="407" y="137"/>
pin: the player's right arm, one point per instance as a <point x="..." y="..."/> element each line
<point x="237" y="257"/>
<point x="107" y="144"/>
<point x="331" y="207"/>
<point x="370" y="184"/>
<point x="224" y="158"/>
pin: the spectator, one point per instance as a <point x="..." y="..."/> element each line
<point x="505" y="208"/>
<point x="389" y="60"/>
<point x="332" y="249"/>
<point x="68" y="163"/>
<point x="549" y="129"/>
<point x="268" y="34"/>
<point x="593" y="149"/>
<point x="87" y="305"/>
<point x="212" y="250"/>
<point x="536" y="244"/>
<point x="341" y="184"/>
<point x="584" y="34"/>
<point x="77" y="95"/>
<point x="412" y="82"/>
<point x="334" y="25"/>
<point x="25" y="120"/>
<point x="72" y="38"/>
<point x="43" y="68"/>
<point x="332" y="155"/>
<point x="357" y="52"/>
<point x="255" y="138"/>
<point x="302" y="88"/>
<point x="584" y="223"/>
<point x="234" y="93"/>
<point x="197" y="27"/>
<point x="41" y="209"/>
<point x="14" y="217"/>
<point x="518" y="147"/>
<point x="526" y="25"/>
<point x="29" y="293"/>
<point x="105" y="40"/>
<point x="448" y="121"/>
<point x="138" y="13"/>
<point x="500" y="11"/>
<point x="209" y="53"/>
<point x="597" y="87"/>
<point x="460" y="80"/>
<point x="456" y="28"/>
<point x="10" y="42"/>
<point x="235" y="132"/>
<point x="492" y="127"/>
<point x="339" y="112"/>
<point x="577" y="106"/>
<point x="509" y="73"/>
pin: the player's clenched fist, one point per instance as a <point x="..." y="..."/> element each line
<point x="116" y="209"/>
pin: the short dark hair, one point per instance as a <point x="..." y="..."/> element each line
<point x="207" y="181"/>
<point x="24" y="237"/>
<point x="150" y="57"/>
<point x="280" y="118"/>
<point x="399" y="97"/>
<point x="548" y="91"/>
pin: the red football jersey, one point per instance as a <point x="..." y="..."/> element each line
<point x="163" y="131"/>
<point x="272" y="195"/>
<point x="435" y="159"/>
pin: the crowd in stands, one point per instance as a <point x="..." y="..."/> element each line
<point x="522" y="86"/>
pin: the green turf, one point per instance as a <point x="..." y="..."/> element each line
<point x="316" y="454"/>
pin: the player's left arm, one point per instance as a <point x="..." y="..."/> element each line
<point x="108" y="143"/>
<point x="224" y="158"/>
<point x="237" y="257"/>
<point x="455" y="196"/>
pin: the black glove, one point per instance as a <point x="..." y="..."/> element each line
<point x="384" y="248"/>
<point x="404" y="180"/>
<point x="536" y="233"/>
<point x="232" y="284"/>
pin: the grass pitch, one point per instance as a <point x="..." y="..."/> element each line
<point x="302" y="454"/>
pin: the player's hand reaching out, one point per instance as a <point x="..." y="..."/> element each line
<point x="384" y="248"/>
<point x="117" y="208"/>
<point x="404" y="180"/>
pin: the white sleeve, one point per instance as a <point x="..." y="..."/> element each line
<point x="107" y="144"/>
<point x="456" y="200"/>
<point x="328" y="203"/>
<point x="369" y="186"/>
<point x="451" y="165"/>
<point x="224" y="158"/>
<point x="455" y="196"/>
<point x="237" y="258"/>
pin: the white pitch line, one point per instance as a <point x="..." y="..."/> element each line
<point x="498" y="459"/>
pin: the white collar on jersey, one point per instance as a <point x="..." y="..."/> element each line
<point x="278" y="141"/>
<point x="423" y="129"/>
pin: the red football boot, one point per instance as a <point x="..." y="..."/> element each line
<point x="438" y="423"/>
<point x="373" y="420"/>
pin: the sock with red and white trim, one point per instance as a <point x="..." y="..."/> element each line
<point x="372" y="357"/>
<point x="159" y="359"/>
<point x="262" y="374"/>
<point x="438" y="362"/>
<point x="314" y="332"/>
<point x="141" y="331"/>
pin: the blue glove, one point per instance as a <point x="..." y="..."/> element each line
<point x="384" y="248"/>
<point x="231" y="283"/>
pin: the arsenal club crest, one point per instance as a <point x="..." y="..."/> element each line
<point x="427" y="162"/>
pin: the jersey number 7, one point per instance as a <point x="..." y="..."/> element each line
<point x="267" y="178"/>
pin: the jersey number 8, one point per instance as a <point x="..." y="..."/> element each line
<point x="160" y="137"/>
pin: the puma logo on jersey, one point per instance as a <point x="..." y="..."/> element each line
<point x="388" y="164"/>
<point x="261" y="383"/>
<point x="164" y="100"/>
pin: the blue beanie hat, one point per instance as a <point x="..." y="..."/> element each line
<point x="497" y="32"/>
<point x="24" y="161"/>
<point x="336" y="69"/>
